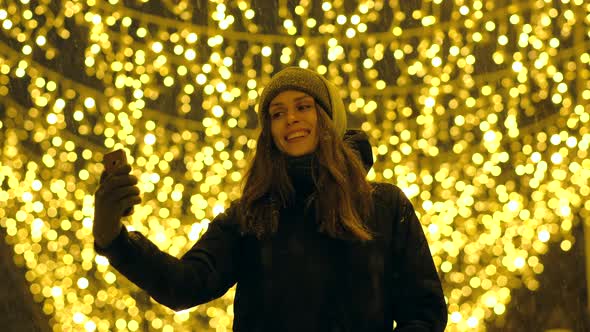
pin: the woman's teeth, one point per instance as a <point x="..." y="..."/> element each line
<point x="296" y="135"/>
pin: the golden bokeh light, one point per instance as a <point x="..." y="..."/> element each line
<point x="481" y="117"/>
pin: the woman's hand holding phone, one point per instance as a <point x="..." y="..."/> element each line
<point x="114" y="199"/>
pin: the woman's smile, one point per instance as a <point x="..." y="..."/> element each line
<point x="297" y="136"/>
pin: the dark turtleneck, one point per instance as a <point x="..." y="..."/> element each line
<point x="306" y="264"/>
<point x="300" y="170"/>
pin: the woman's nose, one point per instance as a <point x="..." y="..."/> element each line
<point x="291" y="116"/>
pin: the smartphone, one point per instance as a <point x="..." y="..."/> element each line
<point x="112" y="161"/>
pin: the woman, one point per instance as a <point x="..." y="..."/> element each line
<point x="311" y="244"/>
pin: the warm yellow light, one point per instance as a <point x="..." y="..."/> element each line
<point x="41" y="41"/>
<point x="556" y="158"/>
<point x="519" y="262"/>
<point x="428" y="20"/>
<point x="192" y="38"/>
<point x="456" y="317"/>
<point x="472" y="322"/>
<point x="157" y="47"/>
<point x="78" y="317"/>
<point x="266" y="51"/>
<point x="149" y="139"/>
<point x="206" y="127"/>
<point x="82" y="283"/>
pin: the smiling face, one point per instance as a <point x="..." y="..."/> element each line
<point x="293" y="122"/>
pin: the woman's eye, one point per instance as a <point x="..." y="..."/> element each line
<point x="304" y="107"/>
<point x="276" y="115"/>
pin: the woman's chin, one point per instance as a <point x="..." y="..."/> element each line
<point x="295" y="152"/>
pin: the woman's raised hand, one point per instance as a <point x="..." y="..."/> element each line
<point x="115" y="197"/>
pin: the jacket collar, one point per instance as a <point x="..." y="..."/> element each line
<point x="359" y="142"/>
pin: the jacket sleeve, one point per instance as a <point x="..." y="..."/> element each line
<point x="203" y="273"/>
<point x="418" y="299"/>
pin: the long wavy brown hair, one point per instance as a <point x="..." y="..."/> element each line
<point x="340" y="172"/>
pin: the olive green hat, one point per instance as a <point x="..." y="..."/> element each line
<point x="323" y="91"/>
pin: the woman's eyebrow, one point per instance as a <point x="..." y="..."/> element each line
<point x="276" y="103"/>
<point x="303" y="98"/>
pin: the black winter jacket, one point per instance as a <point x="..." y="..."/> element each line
<point x="300" y="279"/>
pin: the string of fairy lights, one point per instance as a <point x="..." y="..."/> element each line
<point x="478" y="110"/>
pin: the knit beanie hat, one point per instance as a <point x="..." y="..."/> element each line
<point x="323" y="91"/>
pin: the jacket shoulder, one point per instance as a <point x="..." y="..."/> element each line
<point x="386" y="193"/>
<point x="388" y="207"/>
